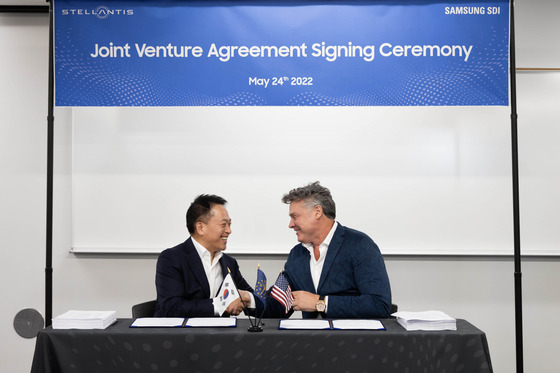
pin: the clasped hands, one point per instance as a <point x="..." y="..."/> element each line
<point x="237" y="306"/>
<point x="303" y="301"/>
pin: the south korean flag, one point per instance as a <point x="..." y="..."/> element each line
<point x="227" y="294"/>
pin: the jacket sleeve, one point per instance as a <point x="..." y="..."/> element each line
<point x="370" y="293"/>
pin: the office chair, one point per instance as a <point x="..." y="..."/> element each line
<point x="145" y="309"/>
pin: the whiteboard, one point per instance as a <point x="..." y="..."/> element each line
<point x="418" y="180"/>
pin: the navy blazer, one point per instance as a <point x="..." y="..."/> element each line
<point x="181" y="283"/>
<point x="353" y="276"/>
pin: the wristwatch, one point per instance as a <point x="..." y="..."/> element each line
<point x="321" y="306"/>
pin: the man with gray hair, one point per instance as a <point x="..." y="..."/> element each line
<point x="335" y="271"/>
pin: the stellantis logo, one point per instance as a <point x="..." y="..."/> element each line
<point x="101" y="12"/>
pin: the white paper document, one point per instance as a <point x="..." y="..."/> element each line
<point x="304" y="324"/>
<point x="425" y="320"/>
<point x="211" y="322"/>
<point x="74" y="319"/>
<point x="358" y="324"/>
<point x="158" y="322"/>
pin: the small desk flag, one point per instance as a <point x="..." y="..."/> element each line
<point x="227" y="294"/>
<point x="282" y="292"/>
<point x="260" y="287"/>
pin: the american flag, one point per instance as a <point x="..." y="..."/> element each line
<point x="282" y="292"/>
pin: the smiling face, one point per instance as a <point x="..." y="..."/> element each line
<point x="213" y="231"/>
<point x="305" y="221"/>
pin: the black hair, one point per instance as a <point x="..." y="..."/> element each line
<point x="200" y="209"/>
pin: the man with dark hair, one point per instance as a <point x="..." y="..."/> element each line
<point x="335" y="271"/>
<point x="189" y="275"/>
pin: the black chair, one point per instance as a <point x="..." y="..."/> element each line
<point x="394" y="308"/>
<point x="145" y="309"/>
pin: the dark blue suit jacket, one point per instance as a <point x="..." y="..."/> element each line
<point x="181" y="283"/>
<point x="354" y="277"/>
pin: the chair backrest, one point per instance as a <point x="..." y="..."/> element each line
<point x="146" y="309"/>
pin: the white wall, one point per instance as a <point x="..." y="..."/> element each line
<point x="479" y="289"/>
<point x="23" y="95"/>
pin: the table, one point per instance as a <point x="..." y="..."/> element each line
<point x="120" y="348"/>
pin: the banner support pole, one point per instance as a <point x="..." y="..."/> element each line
<point x="50" y="173"/>
<point x="515" y="184"/>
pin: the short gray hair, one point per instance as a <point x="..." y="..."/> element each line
<point x="313" y="194"/>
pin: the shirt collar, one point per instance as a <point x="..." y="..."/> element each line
<point x="326" y="242"/>
<point x="204" y="254"/>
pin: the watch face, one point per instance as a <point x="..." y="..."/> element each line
<point x="320" y="306"/>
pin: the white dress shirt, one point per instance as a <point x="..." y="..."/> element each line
<point x="316" y="265"/>
<point x="212" y="269"/>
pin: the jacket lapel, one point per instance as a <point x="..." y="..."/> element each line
<point x="332" y="252"/>
<point x="195" y="264"/>
<point x="225" y="271"/>
<point x="306" y="272"/>
<point x="224" y="267"/>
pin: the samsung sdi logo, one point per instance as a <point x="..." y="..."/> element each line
<point x="101" y="12"/>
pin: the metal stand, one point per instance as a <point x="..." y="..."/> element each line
<point x="50" y="173"/>
<point x="515" y="181"/>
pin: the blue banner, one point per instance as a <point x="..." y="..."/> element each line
<point x="309" y="53"/>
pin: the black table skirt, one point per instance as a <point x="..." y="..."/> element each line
<point x="120" y="348"/>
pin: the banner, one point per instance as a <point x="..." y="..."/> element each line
<point x="307" y="53"/>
